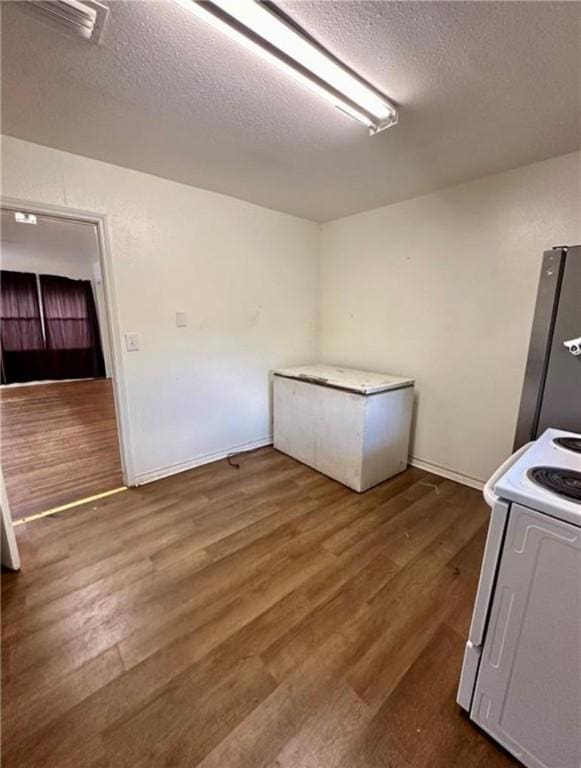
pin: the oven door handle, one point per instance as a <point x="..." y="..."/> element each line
<point x="488" y="491"/>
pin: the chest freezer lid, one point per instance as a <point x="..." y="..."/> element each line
<point x="361" y="382"/>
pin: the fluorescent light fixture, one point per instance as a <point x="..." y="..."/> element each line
<point x="260" y="28"/>
<point x="86" y="19"/>
<point x="24" y="218"/>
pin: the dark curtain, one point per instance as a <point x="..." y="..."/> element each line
<point x="73" y="344"/>
<point x="21" y="329"/>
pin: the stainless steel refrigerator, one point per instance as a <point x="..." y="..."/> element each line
<point x="551" y="394"/>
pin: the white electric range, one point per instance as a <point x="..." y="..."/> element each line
<point x="521" y="676"/>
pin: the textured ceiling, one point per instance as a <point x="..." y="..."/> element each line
<point x="481" y="86"/>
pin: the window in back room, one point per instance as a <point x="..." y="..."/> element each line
<point x="51" y="301"/>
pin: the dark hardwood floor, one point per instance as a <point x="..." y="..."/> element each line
<point x="246" y="618"/>
<point x="59" y="443"/>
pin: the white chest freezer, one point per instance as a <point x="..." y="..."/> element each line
<point x="353" y="426"/>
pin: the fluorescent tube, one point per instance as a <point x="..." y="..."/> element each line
<point x="260" y="30"/>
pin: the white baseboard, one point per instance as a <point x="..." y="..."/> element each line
<point x="449" y="474"/>
<point x="197" y="461"/>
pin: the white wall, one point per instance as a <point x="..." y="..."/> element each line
<point x="20" y="257"/>
<point x="246" y="276"/>
<point x="442" y="288"/>
<point x="15" y="261"/>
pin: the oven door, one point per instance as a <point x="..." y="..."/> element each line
<point x="527" y="692"/>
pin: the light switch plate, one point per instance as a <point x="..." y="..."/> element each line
<point x="181" y="319"/>
<point x="131" y="342"/>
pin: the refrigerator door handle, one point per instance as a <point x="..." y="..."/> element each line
<point x="488" y="491"/>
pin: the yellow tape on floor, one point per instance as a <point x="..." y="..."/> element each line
<point x="72" y="504"/>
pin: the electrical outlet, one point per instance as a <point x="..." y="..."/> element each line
<point x="131" y="342"/>
<point x="181" y="319"/>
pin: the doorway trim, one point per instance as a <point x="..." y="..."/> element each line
<point x="10" y="556"/>
<point x="113" y="326"/>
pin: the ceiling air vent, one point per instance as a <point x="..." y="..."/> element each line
<point x="83" y="19"/>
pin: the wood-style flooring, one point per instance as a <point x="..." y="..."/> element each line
<point x="59" y="443"/>
<point x="258" y="617"/>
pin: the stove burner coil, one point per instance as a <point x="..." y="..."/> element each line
<point x="565" y="482"/>
<point x="570" y="443"/>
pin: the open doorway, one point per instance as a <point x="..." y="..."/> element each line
<point x="60" y="437"/>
